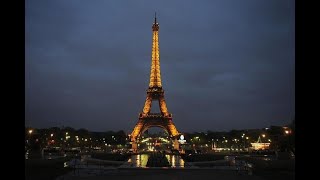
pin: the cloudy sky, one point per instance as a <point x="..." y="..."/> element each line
<point x="225" y="64"/>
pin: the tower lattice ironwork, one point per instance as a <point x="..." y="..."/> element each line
<point x="154" y="93"/>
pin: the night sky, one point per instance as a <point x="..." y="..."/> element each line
<point x="225" y="64"/>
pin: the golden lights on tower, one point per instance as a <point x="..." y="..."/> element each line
<point x="155" y="75"/>
<point x="154" y="93"/>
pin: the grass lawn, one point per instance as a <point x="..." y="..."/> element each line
<point x="202" y="157"/>
<point x="43" y="169"/>
<point x="111" y="157"/>
<point x="273" y="170"/>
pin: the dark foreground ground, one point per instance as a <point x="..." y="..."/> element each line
<point x="39" y="169"/>
<point x="53" y="169"/>
<point x="169" y="174"/>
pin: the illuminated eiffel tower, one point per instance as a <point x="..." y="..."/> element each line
<point x="154" y="92"/>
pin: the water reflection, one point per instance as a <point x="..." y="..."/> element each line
<point x="140" y="160"/>
<point x="26" y="155"/>
<point x="181" y="162"/>
<point x="175" y="161"/>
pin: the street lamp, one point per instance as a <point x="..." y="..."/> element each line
<point x="245" y="142"/>
<point x="263" y="135"/>
<point x="29" y="138"/>
<point x="211" y="144"/>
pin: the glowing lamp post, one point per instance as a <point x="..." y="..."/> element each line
<point x="30" y="132"/>
<point x="245" y="142"/>
<point x="212" y="144"/>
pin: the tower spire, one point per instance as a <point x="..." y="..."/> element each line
<point x="155" y="75"/>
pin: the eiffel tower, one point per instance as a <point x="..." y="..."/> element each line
<point x="154" y="93"/>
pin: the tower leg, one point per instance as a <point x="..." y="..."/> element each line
<point x="176" y="144"/>
<point x="135" y="147"/>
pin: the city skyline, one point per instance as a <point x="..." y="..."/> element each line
<point x="225" y="65"/>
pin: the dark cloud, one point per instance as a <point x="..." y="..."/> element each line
<point x="225" y="64"/>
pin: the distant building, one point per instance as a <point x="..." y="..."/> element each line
<point x="259" y="145"/>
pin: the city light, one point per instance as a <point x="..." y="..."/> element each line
<point x="287" y="130"/>
<point x="106" y="141"/>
